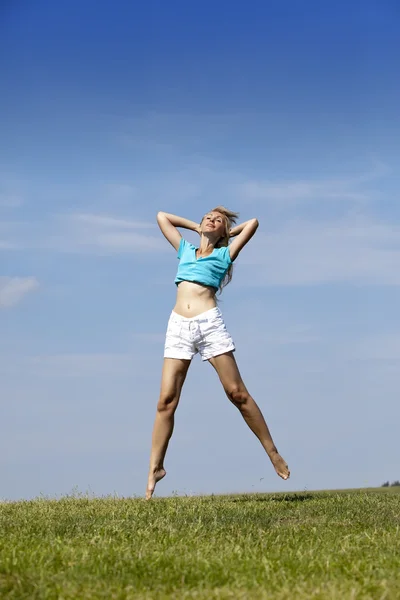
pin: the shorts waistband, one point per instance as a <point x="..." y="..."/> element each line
<point x="202" y="317"/>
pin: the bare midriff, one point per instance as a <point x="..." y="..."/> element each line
<point x="192" y="299"/>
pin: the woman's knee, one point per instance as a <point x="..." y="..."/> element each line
<point x="167" y="402"/>
<point x="237" y="394"/>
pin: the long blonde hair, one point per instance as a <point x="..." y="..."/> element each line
<point x="230" y="219"/>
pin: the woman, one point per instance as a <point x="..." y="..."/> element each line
<point x="196" y="325"/>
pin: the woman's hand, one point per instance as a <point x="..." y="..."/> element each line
<point x="239" y="228"/>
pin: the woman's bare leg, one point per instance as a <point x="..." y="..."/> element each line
<point x="173" y="377"/>
<point x="228" y="372"/>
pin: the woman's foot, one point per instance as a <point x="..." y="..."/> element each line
<point x="154" y="478"/>
<point x="280" y="465"/>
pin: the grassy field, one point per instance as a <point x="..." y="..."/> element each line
<point x="342" y="544"/>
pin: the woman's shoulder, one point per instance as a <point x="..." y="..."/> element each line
<point x="224" y="254"/>
<point x="184" y="245"/>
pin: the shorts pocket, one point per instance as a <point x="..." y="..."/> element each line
<point x="174" y="328"/>
<point x="213" y="327"/>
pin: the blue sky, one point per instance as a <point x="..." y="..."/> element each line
<point x="285" y="112"/>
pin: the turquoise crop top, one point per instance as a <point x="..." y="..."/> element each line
<point x="208" y="270"/>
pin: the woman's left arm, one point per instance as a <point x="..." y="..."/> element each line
<point x="242" y="234"/>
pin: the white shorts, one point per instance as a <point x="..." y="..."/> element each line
<point x="206" y="333"/>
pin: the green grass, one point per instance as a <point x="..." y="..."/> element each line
<point x="342" y="544"/>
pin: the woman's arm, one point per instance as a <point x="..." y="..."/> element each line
<point x="169" y="223"/>
<point x="242" y="234"/>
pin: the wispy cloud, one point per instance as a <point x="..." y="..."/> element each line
<point x="106" y="234"/>
<point x="108" y="221"/>
<point x="295" y="191"/>
<point x="350" y="188"/>
<point x="13" y="289"/>
<point x="307" y="250"/>
<point x="152" y="134"/>
<point x="306" y="253"/>
<point x="84" y="233"/>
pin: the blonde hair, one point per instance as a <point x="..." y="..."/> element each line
<point x="230" y="219"/>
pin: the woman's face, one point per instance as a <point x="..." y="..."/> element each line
<point x="213" y="222"/>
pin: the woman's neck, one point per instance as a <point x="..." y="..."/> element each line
<point x="206" y="246"/>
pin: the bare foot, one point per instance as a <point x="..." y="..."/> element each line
<point x="280" y="465"/>
<point x="154" y="478"/>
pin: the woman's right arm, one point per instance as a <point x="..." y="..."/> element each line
<point x="169" y="223"/>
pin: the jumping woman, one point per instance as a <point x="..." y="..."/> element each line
<point x="196" y="325"/>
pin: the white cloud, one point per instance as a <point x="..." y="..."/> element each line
<point x="153" y="133"/>
<point x="348" y="189"/>
<point x="107" y="221"/>
<point x="103" y="234"/>
<point x="13" y="289"/>
<point x="295" y="191"/>
<point x="305" y="253"/>
<point x="87" y="233"/>
<point x="297" y="252"/>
